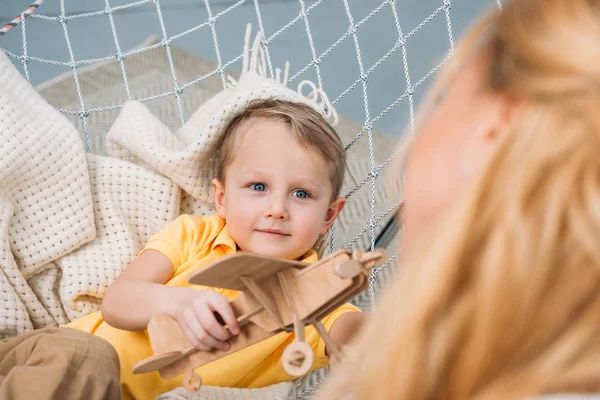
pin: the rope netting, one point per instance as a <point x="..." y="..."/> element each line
<point x="403" y="36"/>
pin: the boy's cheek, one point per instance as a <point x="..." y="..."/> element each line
<point x="310" y="223"/>
<point x="242" y="207"/>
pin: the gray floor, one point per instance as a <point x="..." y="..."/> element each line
<point x="92" y="37"/>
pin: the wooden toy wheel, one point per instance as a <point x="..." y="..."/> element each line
<point x="348" y="269"/>
<point x="297" y="358"/>
<point x="192" y="382"/>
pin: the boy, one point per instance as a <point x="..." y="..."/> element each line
<point x="278" y="169"/>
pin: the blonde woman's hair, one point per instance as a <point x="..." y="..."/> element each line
<point x="502" y="299"/>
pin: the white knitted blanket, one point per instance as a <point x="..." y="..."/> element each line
<point x="45" y="198"/>
<point x="69" y="221"/>
<point x="280" y="391"/>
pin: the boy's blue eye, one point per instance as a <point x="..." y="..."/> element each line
<point x="259" y="187"/>
<point x="301" y="194"/>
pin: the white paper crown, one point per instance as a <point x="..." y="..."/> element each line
<point x="255" y="63"/>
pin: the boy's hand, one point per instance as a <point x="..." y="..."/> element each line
<point x="199" y="324"/>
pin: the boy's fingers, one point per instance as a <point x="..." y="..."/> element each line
<point x="196" y="326"/>
<point x="212" y="326"/>
<point x="192" y="338"/>
<point x="221" y="305"/>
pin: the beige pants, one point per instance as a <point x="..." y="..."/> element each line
<point x="58" y="363"/>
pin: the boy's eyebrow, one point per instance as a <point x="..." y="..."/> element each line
<point x="311" y="183"/>
<point x="254" y="172"/>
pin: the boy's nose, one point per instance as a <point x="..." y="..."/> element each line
<point x="277" y="210"/>
<point x="277" y="215"/>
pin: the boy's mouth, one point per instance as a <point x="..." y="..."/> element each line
<point x="273" y="232"/>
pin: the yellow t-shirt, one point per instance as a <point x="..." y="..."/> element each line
<point x="191" y="243"/>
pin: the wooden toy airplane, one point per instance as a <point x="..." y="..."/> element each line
<point x="275" y="295"/>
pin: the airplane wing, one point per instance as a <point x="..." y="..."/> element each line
<point x="226" y="271"/>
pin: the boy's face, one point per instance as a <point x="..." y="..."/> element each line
<point x="276" y="198"/>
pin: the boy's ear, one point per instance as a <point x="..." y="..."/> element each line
<point x="219" y="195"/>
<point x="335" y="208"/>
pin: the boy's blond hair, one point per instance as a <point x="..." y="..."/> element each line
<point x="310" y="128"/>
<point x="501" y="299"/>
